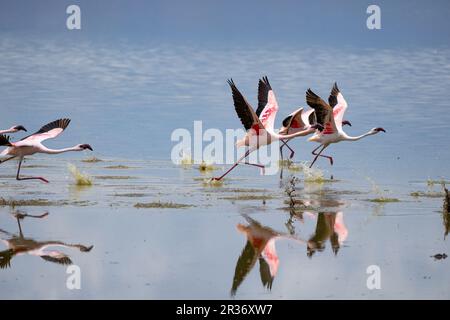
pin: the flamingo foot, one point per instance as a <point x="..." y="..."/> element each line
<point x="34" y="178"/>
<point x="292" y="154"/>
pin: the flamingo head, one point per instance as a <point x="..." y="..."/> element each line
<point x="346" y="122"/>
<point x="376" y="130"/>
<point x="85" y="146"/>
<point x="19" y="128"/>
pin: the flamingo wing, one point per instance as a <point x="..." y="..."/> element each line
<point x="294" y="120"/>
<point x="323" y="111"/>
<point x="267" y="103"/>
<point x="49" y="131"/>
<point x="309" y="117"/>
<point x="339" y="105"/>
<point x="244" y="110"/>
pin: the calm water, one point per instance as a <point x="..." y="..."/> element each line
<point x="126" y="99"/>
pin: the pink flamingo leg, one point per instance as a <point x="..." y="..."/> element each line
<point x="232" y="167"/>
<point x="321" y="155"/>
<point x="281" y="149"/>
<point x="10" y="158"/>
<point x="28" y="178"/>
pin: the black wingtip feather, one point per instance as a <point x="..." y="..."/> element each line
<point x="4" y="140"/>
<point x="335" y="91"/>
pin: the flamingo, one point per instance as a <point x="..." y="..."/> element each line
<point x="19" y="245"/>
<point x="13" y="129"/>
<point x="297" y="121"/>
<point x="330" y="116"/>
<point x="260" y="130"/>
<point x="32" y="144"/>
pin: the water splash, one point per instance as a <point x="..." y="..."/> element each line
<point x="81" y="179"/>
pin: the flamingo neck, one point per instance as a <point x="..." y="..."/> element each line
<point x="293" y="135"/>
<point x="7" y="131"/>
<point x="349" y="138"/>
<point x="57" y="151"/>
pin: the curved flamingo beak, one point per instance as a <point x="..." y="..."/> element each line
<point x="86" y="146"/>
<point x="380" y="129"/>
<point x="346" y="122"/>
<point x="20" y="127"/>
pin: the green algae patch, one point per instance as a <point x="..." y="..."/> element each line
<point x="114" y="177"/>
<point x="41" y="203"/>
<point x="244" y="190"/>
<point x="248" y="197"/>
<point x="26" y="202"/>
<point x="130" y="195"/>
<point x="419" y="194"/>
<point x="118" y="167"/>
<point x="161" y="205"/>
<point x="92" y="160"/>
<point x="383" y="200"/>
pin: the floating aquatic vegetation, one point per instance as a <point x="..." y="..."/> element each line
<point x="81" y="179"/>
<point x="130" y="195"/>
<point x="246" y="197"/>
<point x="205" y="167"/>
<point x="244" y="190"/>
<point x="41" y="202"/>
<point x="26" y="202"/>
<point x="161" y="205"/>
<point x="114" y="177"/>
<point x="92" y="160"/>
<point x="428" y="194"/>
<point x="118" y="167"/>
<point x="432" y="182"/>
<point x="383" y="200"/>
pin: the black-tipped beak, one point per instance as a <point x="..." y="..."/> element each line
<point x="346" y="122"/>
<point x="18" y="128"/>
<point x="381" y="129"/>
<point x="87" y="146"/>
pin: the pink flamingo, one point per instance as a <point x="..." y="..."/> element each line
<point x="297" y="121"/>
<point x="330" y="116"/>
<point x="32" y="144"/>
<point x="260" y="130"/>
<point x="13" y="129"/>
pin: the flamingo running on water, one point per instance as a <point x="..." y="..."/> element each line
<point x="330" y="116"/>
<point x="13" y="129"/>
<point x="33" y="144"/>
<point x="260" y="130"/>
<point x="297" y="121"/>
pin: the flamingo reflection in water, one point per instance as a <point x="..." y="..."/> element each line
<point x="330" y="226"/>
<point x="19" y="245"/>
<point x="260" y="246"/>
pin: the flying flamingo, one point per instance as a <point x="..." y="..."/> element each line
<point x="13" y="129"/>
<point x="330" y="116"/>
<point x="260" y="130"/>
<point x="297" y="121"/>
<point x="32" y="144"/>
